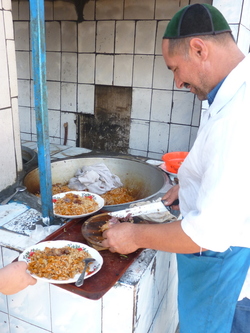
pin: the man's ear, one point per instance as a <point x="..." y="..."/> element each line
<point x="198" y="48"/>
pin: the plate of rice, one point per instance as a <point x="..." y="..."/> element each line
<point x="60" y="261"/>
<point x="76" y="204"/>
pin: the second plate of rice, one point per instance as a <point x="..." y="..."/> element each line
<point x="76" y="204"/>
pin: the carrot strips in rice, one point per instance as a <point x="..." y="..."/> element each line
<point x="73" y="204"/>
<point x="57" y="264"/>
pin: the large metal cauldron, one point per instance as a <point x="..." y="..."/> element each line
<point x="144" y="180"/>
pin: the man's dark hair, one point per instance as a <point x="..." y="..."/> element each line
<point x="181" y="45"/>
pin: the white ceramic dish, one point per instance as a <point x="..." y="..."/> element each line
<point x="99" y="200"/>
<point x="93" y="267"/>
<point x="154" y="162"/>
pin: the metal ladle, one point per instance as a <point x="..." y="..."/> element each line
<point x="18" y="189"/>
<point x="80" y="280"/>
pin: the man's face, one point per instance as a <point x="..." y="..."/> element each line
<point x="188" y="72"/>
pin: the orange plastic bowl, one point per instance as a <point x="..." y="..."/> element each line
<point x="174" y="160"/>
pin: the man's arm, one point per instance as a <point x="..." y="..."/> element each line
<point x="125" y="238"/>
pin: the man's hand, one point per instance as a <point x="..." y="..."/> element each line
<point x="120" y="238"/>
<point x="171" y="196"/>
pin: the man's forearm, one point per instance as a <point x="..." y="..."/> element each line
<point x="165" y="237"/>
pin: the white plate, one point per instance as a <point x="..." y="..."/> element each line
<point x="154" y="162"/>
<point x="97" y="198"/>
<point x="93" y="267"/>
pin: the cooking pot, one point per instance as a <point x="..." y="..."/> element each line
<point x="145" y="181"/>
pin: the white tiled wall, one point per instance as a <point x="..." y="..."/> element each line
<point x="9" y="125"/>
<point x="119" y="43"/>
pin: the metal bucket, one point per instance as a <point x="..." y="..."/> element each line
<point x="145" y="181"/>
<point x="29" y="157"/>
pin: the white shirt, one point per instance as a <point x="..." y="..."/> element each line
<point x="215" y="177"/>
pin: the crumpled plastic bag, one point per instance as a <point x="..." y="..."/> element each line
<point x="41" y="232"/>
<point x="96" y="178"/>
<point x="155" y="217"/>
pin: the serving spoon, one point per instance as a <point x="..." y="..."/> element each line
<point x="80" y="280"/>
<point x="18" y="189"/>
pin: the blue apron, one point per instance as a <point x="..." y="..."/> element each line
<point x="209" y="287"/>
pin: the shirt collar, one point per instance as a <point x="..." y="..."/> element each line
<point x="213" y="92"/>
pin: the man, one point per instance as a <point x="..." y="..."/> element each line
<point x="212" y="240"/>
<point x="14" y="278"/>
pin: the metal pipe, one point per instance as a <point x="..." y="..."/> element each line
<point x="37" y="32"/>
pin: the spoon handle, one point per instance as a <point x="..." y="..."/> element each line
<point x="80" y="280"/>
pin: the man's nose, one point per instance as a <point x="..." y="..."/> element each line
<point x="179" y="84"/>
